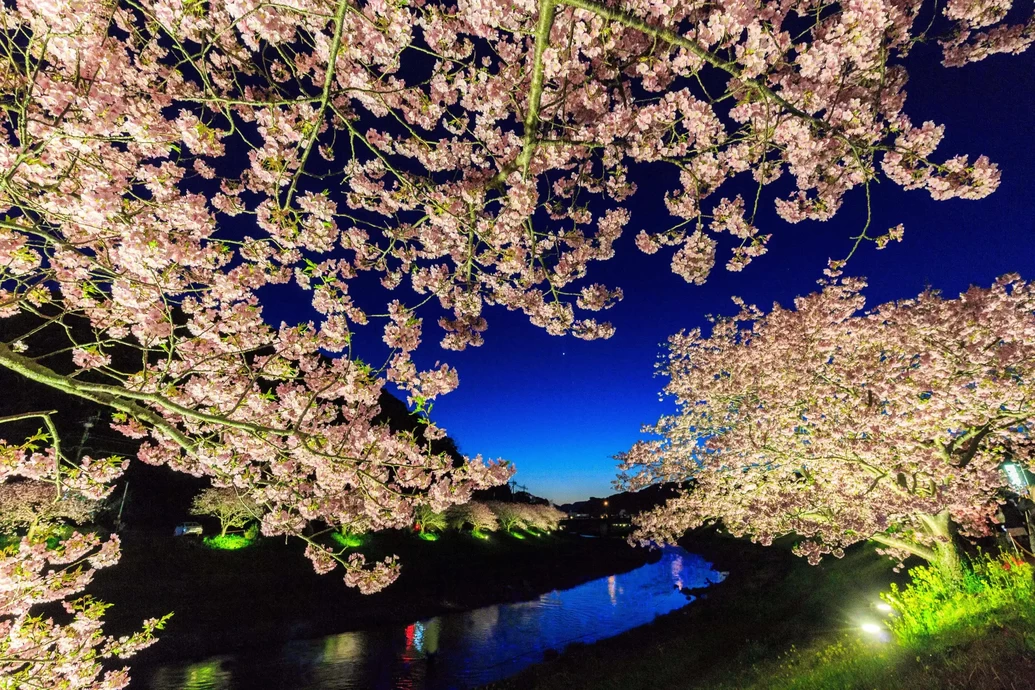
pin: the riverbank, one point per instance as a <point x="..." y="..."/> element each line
<point x="770" y="600"/>
<point x="777" y="623"/>
<point x="224" y="601"/>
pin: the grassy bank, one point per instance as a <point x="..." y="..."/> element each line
<point x="267" y="593"/>
<point x="972" y="631"/>
<point x="778" y="623"/>
<point x="999" y="656"/>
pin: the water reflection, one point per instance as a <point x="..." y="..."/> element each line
<point x="457" y="650"/>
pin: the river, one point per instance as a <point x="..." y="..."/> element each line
<point x="455" y="650"/>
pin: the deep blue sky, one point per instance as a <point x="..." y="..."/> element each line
<point x="560" y="408"/>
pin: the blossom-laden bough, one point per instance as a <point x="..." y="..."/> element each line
<point x="165" y="164"/>
<point x="841" y="426"/>
<point x="40" y="645"/>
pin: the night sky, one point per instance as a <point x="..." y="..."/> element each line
<point x="560" y="408"/>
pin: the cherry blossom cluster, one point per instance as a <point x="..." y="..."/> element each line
<point x="167" y="165"/>
<point x="69" y="649"/>
<point x="841" y="425"/>
<point x="38" y="652"/>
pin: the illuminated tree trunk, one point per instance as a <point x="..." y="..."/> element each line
<point x="32" y="529"/>
<point x="943" y="554"/>
<point x="946" y="555"/>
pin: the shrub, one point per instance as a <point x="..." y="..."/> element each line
<point x="933" y="604"/>
<point x="251" y="532"/>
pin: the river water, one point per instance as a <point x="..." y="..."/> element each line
<point x="455" y="650"/>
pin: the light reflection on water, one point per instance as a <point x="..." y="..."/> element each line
<point x="456" y="650"/>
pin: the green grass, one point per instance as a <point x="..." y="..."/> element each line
<point x="974" y="631"/>
<point x="934" y="610"/>
<point x="228" y="542"/>
<point x="1001" y="655"/>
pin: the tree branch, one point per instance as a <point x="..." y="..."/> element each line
<point x="94" y="392"/>
<point x="915" y="549"/>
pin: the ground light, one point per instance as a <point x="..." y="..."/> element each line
<point x="429" y="536"/>
<point x="517" y="535"/>
<point x="875" y="630"/>
<point x="480" y="535"/>
<point x="227" y="542"/>
<point x="349" y="541"/>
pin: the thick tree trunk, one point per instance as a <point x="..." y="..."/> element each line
<point x="947" y="556"/>
<point x="942" y="554"/>
<point x="32" y="529"/>
<point x="224" y="527"/>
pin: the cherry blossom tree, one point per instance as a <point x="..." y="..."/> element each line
<point x="543" y="517"/>
<point x="34" y="505"/>
<point x="233" y="510"/>
<point x="842" y="426"/>
<point x="167" y="163"/>
<point x="474" y="514"/>
<point x="510" y="516"/>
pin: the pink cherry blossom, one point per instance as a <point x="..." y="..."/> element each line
<point x="840" y="425"/>
<point x="171" y="165"/>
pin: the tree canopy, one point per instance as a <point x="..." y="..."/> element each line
<point x="165" y="165"/>
<point x="843" y="426"/>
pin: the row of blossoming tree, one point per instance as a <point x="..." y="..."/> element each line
<point x="168" y="165"/>
<point x="483" y="517"/>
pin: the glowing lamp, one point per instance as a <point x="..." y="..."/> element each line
<point x="1015" y="475"/>
<point x="873" y="629"/>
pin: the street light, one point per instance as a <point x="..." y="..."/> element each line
<point x="1016" y="475"/>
